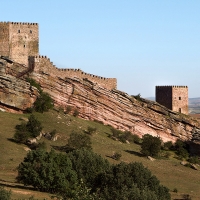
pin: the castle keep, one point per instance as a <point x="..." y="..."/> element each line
<point x="20" y="43"/>
<point x="173" y="97"/>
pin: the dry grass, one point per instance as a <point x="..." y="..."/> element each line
<point x="169" y="172"/>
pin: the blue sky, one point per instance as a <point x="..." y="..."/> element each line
<point x="142" y="43"/>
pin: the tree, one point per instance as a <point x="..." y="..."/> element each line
<point x="88" y="165"/>
<point x="78" y="140"/>
<point x="21" y="134"/>
<point x="151" y="145"/>
<point x="33" y="126"/>
<point x="43" y="103"/>
<point x="130" y="181"/>
<point x="25" y="130"/>
<point x="49" y="172"/>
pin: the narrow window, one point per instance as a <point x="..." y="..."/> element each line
<point x="179" y="98"/>
<point x="180" y="110"/>
<point x="30" y="31"/>
<point x="18" y="31"/>
<point x="24" y="46"/>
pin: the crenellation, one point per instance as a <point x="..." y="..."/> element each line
<point x="20" y="42"/>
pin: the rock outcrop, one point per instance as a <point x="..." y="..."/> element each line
<point x="118" y="109"/>
<point x="93" y="102"/>
<point x="16" y="95"/>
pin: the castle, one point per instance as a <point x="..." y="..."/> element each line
<point x="20" y="43"/>
<point x="173" y="97"/>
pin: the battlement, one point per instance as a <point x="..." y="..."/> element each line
<point x="19" y="23"/>
<point x="43" y="64"/>
<point x="171" y="86"/>
<point x="19" y="41"/>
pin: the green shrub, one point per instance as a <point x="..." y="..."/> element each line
<point x="116" y="156"/>
<point x="43" y="103"/>
<point x="75" y="113"/>
<point x="168" y="145"/>
<point x="136" y="139"/>
<point x="194" y="160"/>
<point x="47" y="172"/>
<point x="53" y="133"/>
<point x="91" y="130"/>
<point x="151" y="145"/>
<point x="5" y="194"/>
<point x="138" y="97"/>
<point x="78" y="141"/>
<point x="21" y="133"/>
<point x="130" y="181"/>
<point x="68" y="109"/>
<point x="25" y="130"/>
<point x="175" y="190"/>
<point x="34" y="83"/>
<point x="88" y="165"/>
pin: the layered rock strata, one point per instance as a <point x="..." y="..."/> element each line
<point x="94" y="102"/>
<point x="118" y="109"/>
<point x="16" y="95"/>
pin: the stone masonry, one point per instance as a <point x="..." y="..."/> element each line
<point x="19" y="41"/>
<point x="173" y="97"/>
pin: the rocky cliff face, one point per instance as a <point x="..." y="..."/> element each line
<point x="93" y="102"/>
<point x="15" y="94"/>
<point x="118" y="109"/>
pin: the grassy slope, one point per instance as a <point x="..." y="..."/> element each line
<point x="169" y="172"/>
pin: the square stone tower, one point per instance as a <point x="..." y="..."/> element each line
<point x="174" y="98"/>
<point x="18" y="41"/>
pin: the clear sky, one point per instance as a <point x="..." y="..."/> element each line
<point x="142" y="43"/>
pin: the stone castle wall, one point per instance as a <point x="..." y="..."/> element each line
<point x="4" y="39"/>
<point x="20" y="40"/>
<point x="164" y="96"/>
<point x="42" y="64"/>
<point x="180" y="99"/>
<point x="173" y="97"/>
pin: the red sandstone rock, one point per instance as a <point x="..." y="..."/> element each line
<point x="118" y="109"/>
<point x="95" y="102"/>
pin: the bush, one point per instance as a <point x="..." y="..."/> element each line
<point x="194" y="160"/>
<point x="88" y="165"/>
<point x="4" y="194"/>
<point x="136" y="139"/>
<point x="75" y="113"/>
<point x="43" y="103"/>
<point x="175" y="190"/>
<point x="21" y="134"/>
<point x="34" y="83"/>
<point x="138" y="97"/>
<point x="25" y="130"/>
<point x="151" y="145"/>
<point x="68" y="109"/>
<point x="33" y="126"/>
<point x="116" y="156"/>
<point x="53" y="133"/>
<point x="91" y="130"/>
<point x="168" y="145"/>
<point x="130" y="181"/>
<point x="49" y="172"/>
<point x="78" y="141"/>
<point x="181" y="149"/>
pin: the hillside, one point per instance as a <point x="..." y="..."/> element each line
<point x="94" y="102"/>
<point x="169" y="171"/>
